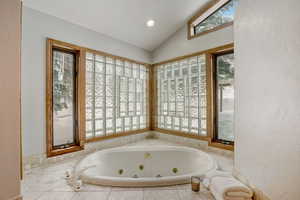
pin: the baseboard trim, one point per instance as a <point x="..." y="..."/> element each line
<point x="19" y="197"/>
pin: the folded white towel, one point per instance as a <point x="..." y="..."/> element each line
<point x="225" y="187"/>
<point x="228" y="188"/>
<point x="220" y="197"/>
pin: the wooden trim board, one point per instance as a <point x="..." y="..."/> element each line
<point x="212" y="50"/>
<point x="95" y="139"/>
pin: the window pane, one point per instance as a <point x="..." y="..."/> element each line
<point x="63" y="97"/>
<point x="223" y="15"/>
<point x="225" y="94"/>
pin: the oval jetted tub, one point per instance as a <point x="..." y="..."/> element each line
<point x="144" y="166"/>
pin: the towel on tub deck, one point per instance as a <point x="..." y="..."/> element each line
<point x="224" y="186"/>
<point x="228" y="188"/>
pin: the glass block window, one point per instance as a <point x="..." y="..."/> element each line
<point x="181" y="95"/>
<point x="116" y="96"/>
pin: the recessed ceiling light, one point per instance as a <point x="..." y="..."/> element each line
<point x="150" y="23"/>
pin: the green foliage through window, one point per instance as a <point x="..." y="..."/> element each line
<point x="223" y="15"/>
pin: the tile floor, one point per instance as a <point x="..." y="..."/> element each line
<point x="48" y="183"/>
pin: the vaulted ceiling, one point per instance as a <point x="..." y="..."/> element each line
<point x="124" y="20"/>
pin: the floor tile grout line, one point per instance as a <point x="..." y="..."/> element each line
<point x="109" y="193"/>
<point x="179" y="198"/>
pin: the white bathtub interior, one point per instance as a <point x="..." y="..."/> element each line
<point x="144" y="166"/>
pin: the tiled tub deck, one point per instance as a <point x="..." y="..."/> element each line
<point x="47" y="182"/>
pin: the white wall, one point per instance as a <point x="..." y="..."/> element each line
<point x="36" y="28"/>
<point x="10" y="57"/>
<point x="179" y="45"/>
<point x="267" y="123"/>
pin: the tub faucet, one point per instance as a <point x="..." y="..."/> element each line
<point x="76" y="175"/>
<point x="74" y="179"/>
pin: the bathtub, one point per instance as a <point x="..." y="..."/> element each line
<point x="144" y="166"/>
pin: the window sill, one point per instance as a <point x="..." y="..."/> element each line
<point x="182" y="134"/>
<point x="229" y="147"/>
<point x="56" y="152"/>
<point x="99" y="138"/>
<point x="205" y="138"/>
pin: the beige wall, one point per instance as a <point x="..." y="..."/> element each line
<point x="179" y="45"/>
<point x="267" y="120"/>
<point x="36" y="27"/>
<point x="10" y="29"/>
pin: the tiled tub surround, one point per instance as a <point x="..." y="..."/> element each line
<point x="224" y="158"/>
<point x="47" y="182"/>
<point x="40" y="160"/>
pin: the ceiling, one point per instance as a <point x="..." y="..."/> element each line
<point x="124" y="20"/>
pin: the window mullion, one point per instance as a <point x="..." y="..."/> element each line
<point x="136" y="102"/>
<point x="189" y="97"/>
<point x="93" y="98"/>
<point x="114" y="96"/>
<point x="104" y="96"/>
<point x="199" y="66"/>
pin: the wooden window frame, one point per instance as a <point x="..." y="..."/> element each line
<point x="210" y="97"/>
<point x="202" y="11"/>
<point x="152" y="100"/>
<point x="214" y="138"/>
<point x="79" y="95"/>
